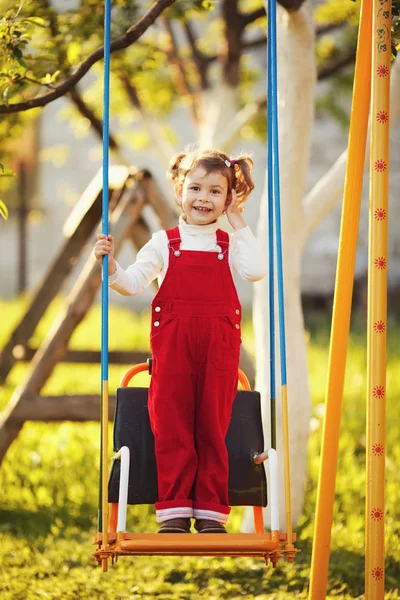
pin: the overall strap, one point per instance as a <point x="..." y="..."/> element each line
<point x="223" y="242"/>
<point x="174" y="240"/>
<point x="222" y="238"/>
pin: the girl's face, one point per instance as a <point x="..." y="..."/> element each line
<point x="203" y="196"/>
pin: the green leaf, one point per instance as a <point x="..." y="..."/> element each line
<point x="6" y="172"/>
<point x="3" y="210"/>
<point x="73" y="52"/>
<point x="36" y="21"/>
<point x="55" y="75"/>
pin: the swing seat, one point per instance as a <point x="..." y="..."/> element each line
<point x="135" y="458"/>
<point x="247" y="481"/>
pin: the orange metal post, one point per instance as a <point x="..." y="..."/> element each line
<point x="112" y="523"/>
<point x="377" y="299"/>
<point x="258" y="519"/>
<point x="342" y="306"/>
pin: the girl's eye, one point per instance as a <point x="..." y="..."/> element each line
<point x="216" y="191"/>
<point x="195" y="188"/>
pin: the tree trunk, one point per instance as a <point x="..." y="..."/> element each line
<point x="218" y="107"/>
<point x="296" y="85"/>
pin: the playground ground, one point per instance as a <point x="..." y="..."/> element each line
<point x="49" y="490"/>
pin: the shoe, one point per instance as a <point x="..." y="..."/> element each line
<point x="209" y="526"/>
<point x="177" y="525"/>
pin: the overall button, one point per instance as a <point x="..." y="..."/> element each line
<point x="156" y="323"/>
<point x="157" y="309"/>
<point x="237" y="311"/>
<point x="177" y="253"/>
<point x="237" y="325"/>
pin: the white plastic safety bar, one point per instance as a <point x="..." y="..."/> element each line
<point x="272" y="455"/>
<point x="274" y="487"/>
<point x="124" y="456"/>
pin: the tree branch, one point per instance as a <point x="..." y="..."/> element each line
<point x="88" y="113"/>
<point x="131" y="36"/>
<point x="253" y="16"/>
<point x="291" y="5"/>
<point x="340" y="63"/>
<point x="323" y="29"/>
<point x="235" y="24"/>
<point x="160" y="144"/>
<point x="250" y="111"/>
<point x="200" y="60"/>
<point x="247" y="114"/>
<point x="262" y="40"/>
<point x="183" y="84"/>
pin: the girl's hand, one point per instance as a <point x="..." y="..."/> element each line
<point x="105" y="245"/>
<point x="234" y="213"/>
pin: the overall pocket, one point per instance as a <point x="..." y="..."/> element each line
<point x="227" y="349"/>
<point x="159" y="323"/>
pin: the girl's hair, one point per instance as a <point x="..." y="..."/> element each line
<point x="237" y="171"/>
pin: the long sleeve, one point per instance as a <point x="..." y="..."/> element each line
<point x="245" y="255"/>
<point x="147" y="267"/>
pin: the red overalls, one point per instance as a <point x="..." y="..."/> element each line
<point x="195" y="344"/>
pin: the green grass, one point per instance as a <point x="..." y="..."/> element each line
<point x="49" y="491"/>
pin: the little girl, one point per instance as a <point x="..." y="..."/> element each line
<point x="195" y="333"/>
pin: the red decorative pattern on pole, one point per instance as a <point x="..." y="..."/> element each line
<point x="377" y="514"/>
<point x="380" y="165"/>
<point x="380" y="263"/>
<point x="377" y="573"/>
<point x="380" y="214"/>
<point x="378" y="450"/>
<point x="378" y="391"/>
<point x="382" y="71"/>
<point x="382" y="117"/>
<point x="379" y="327"/>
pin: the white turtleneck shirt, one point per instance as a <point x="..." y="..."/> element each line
<point x="152" y="260"/>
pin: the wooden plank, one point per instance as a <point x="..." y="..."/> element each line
<point x="79" y="226"/>
<point x="83" y="407"/>
<point x="116" y="357"/>
<point x="166" y="211"/>
<point x="79" y="301"/>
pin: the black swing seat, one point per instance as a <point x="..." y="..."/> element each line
<point x="247" y="481"/>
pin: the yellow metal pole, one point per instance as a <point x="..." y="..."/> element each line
<point x="286" y="455"/>
<point x="377" y="300"/>
<point x="104" y="458"/>
<point x="342" y="306"/>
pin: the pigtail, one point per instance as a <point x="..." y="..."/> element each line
<point x="174" y="172"/>
<point x="244" y="185"/>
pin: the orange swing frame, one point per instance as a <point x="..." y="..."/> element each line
<point x="268" y="545"/>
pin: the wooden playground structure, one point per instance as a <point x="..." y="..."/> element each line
<point x="130" y="191"/>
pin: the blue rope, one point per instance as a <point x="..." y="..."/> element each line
<point x="273" y="98"/>
<point x="104" y="284"/>
<point x="106" y="128"/>
<point x="271" y="254"/>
